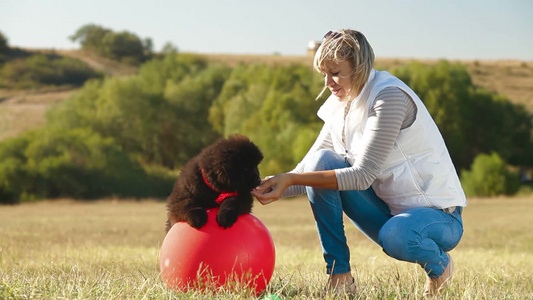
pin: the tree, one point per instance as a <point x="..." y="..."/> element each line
<point x="169" y="48"/>
<point x="159" y="115"/>
<point x="42" y="69"/>
<point x="155" y="73"/>
<point x="489" y="177"/>
<point x="4" y="48"/>
<point x="190" y="100"/>
<point x="123" y="46"/>
<point x="13" y="176"/>
<point x="147" y="45"/>
<point x="271" y="105"/>
<point x="500" y="126"/>
<point x="78" y="163"/>
<point x="90" y="36"/>
<point x="179" y="103"/>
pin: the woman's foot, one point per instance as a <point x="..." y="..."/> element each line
<point x="341" y="284"/>
<point x="434" y="286"/>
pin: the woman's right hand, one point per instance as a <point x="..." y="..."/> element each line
<point x="271" y="188"/>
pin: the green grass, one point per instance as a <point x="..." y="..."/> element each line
<point x="109" y="250"/>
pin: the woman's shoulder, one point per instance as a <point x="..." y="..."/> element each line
<point x="393" y="94"/>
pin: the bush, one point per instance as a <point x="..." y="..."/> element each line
<point x="121" y="46"/>
<point x="12" y="171"/>
<point x="177" y="104"/>
<point x="159" y="116"/>
<point x="3" y="43"/>
<point x="41" y="69"/>
<point x="4" y="48"/>
<point x="75" y="163"/>
<point x="274" y="106"/>
<point x="90" y="36"/>
<point x="489" y="177"/>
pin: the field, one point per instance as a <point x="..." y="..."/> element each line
<point x="108" y="249"/>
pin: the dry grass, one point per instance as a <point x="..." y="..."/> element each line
<point x="23" y="110"/>
<point x="270" y="60"/>
<point x="513" y="79"/>
<point x="109" y="250"/>
<point x="107" y="66"/>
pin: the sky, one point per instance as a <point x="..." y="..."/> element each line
<point x="419" y="29"/>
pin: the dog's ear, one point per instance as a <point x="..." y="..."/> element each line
<point x="223" y="179"/>
<point x="215" y="170"/>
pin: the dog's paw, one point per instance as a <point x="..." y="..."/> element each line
<point x="197" y="218"/>
<point x="227" y="218"/>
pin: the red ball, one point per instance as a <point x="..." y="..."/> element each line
<point x="239" y="257"/>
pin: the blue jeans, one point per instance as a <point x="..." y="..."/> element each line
<point x="420" y="235"/>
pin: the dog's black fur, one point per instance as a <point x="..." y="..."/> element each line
<point x="229" y="165"/>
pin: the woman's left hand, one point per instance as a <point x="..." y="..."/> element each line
<point x="271" y="188"/>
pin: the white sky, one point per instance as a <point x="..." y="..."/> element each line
<point x="451" y="29"/>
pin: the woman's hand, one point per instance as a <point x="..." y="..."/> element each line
<point x="272" y="188"/>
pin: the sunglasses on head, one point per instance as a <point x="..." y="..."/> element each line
<point x="331" y="34"/>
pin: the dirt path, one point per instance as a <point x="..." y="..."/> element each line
<point x="108" y="66"/>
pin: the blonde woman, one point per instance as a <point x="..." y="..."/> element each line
<point x="382" y="161"/>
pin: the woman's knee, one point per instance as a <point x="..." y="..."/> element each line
<point x="325" y="159"/>
<point x="394" y="238"/>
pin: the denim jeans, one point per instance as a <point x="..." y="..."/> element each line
<point x="419" y="235"/>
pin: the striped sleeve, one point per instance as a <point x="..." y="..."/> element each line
<point x="392" y="111"/>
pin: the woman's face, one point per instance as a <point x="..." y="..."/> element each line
<point x="338" y="78"/>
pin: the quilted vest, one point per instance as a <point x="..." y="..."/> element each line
<point x="418" y="171"/>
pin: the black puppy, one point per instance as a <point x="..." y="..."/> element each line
<point x="222" y="176"/>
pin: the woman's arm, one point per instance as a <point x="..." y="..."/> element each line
<point x="393" y="110"/>
<point x="273" y="188"/>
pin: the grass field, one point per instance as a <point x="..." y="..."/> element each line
<point x="109" y="250"/>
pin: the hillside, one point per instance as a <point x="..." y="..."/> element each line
<point x="513" y="79"/>
<point x="24" y="109"/>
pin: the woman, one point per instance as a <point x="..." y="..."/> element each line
<point x="381" y="160"/>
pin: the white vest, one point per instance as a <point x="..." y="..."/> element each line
<point x="418" y="171"/>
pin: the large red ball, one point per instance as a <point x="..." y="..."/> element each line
<point x="238" y="257"/>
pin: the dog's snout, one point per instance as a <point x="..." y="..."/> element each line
<point x="257" y="181"/>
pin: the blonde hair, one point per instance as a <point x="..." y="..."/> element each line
<point x="345" y="45"/>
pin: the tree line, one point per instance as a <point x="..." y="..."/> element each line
<point x="128" y="137"/>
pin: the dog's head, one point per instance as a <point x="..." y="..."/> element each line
<point x="232" y="164"/>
